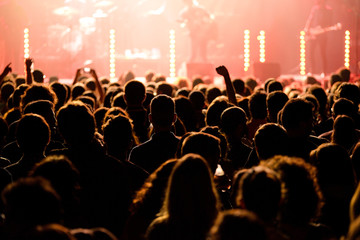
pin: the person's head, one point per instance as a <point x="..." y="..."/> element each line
<point x="270" y="139"/>
<point x="61" y="93"/>
<point x="205" y="145"/>
<point x="275" y="86"/>
<point x="165" y="88"/>
<point x="149" y="75"/>
<point x="239" y="86"/>
<point x="6" y="90"/>
<point x="233" y="123"/>
<point x="275" y="101"/>
<point x="191" y="190"/>
<point x="38" y="76"/>
<point x="134" y="93"/>
<point x="214" y="111"/>
<point x="212" y="93"/>
<point x="334" y="78"/>
<point x="44" y="108"/>
<point x="215" y="131"/>
<point x="260" y="192"/>
<point x="345" y="74"/>
<point x="321" y="97"/>
<point x="344" y="132"/>
<point x="77" y="90"/>
<point x="162" y="111"/>
<point x="32" y="134"/>
<point x="257" y="105"/>
<point x="297" y="117"/>
<point x="197" y="99"/>
<point x="344" y="106"/>
<point x="37" y="92"/>
<point x="119" y="136"/>
<point x="301" y="194"/>
<point x="30" y="202"/>
<point x="76" y="123"/>
<point x="349" y="91"/>
<point x="237" y="224"/>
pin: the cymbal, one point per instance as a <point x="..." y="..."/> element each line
<point x="104" y="3"/>
<point x="65" y="11"/>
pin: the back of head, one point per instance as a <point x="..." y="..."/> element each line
<point x="162" y="110"/>
<point x="6" y="90"/>
<point x="335" y="78"/>
<point x="212" y="93"/>
<point x="257" y="105"/>
<point x="61" y="93"/>
<point x="275" y="86"/>
<point x="164" y="88"/>
<point x="191" y="194"/>
<point x="260" y="192"/>
<point x="270" y="139"/>
<point x="32" y="133"/>
<point x="231" y="119"/>
<point x="76" y="123"/>
<point x="134" y="93"/>
<point x="344" y="106"/>
<point x="30" y="202"/>
<point x="275" y="101"/>
<point x="239" y="86"/>
<point x="205" y="145"/>
<point x="214" y="111"/>
<point x="37" y="92"/>
<point x="301" y="192"/>
<point x="77" y="90"/>
<point x="320" y="95"/>
<point x="344" y="132"/>
<point x="295" y="112"/>
<point x="197" y="99"/>
<point x="38" y="76"/>
<point x="349" y="91"/>
<point x="44" y="108"/>
<point x="237" y="224"/>
<point x="345" y="74"/>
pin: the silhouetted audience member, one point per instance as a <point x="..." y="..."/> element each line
<point x="237" y="224"/>
<point x="258" y="113"/>
<point x="275" y="86"/>
<point x="32" y="136"/>
<point x="186" y="113"/>
<point x="233" y="125"/>
<point x="29" y="202"/>
<point x="212" y="93"/>
<point x="337" y="183"/>
<point x="191" y="203"/>
<point x="148" y="201"/>
<point x="134" y="97"/>
<point x="163" y="143"/>
<point x="61" y="93"/>
<point x="215" y="109"/>
<point x="297" y="119"/>
<point x="275" y="101"/>
<point x="164" y="88"/>
<point x="345" y="133"/>
<point x="197" y="99"/>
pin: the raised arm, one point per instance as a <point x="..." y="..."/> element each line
<point x="222" y="70"/>
<point x="5" y="72"/>
<point x="77" y="75"/>
<point x="29" y="77"/>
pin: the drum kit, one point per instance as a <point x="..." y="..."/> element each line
<point x="77" y="28"/>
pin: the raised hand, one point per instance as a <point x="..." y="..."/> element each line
<point x="28" y="62"/>
<point x="7" y="69"/>
<point x="222" y="70"/>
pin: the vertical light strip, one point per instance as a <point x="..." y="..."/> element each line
<point x="112" y="55"/>
<point x="172" y="54"/>
<point x="261" y="39"/>
<point x="347" y="49"/>
<point x="26" y="43"/>
<point x="246" y="50"/>
<point x="302" y="53"/>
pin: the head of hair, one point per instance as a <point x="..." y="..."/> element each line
<point x="215" y="131"/>
<point x="164" y="88"/>
<point x="344" y="132"/>
<point x="320" y="95"/>
<point x="191" y="192"/>
<point x="257" y="105"/>
<point x="32" y="133"/>
<point x="270" y="139"/>
<point x="205" y="145"/>
<point x="237" y="224"/>
<point x="18" y="93"/>
<point x="349" y="91"/>
<point x="344" y="106"/>
<point x="38" y="76"/>
<point x="335" y="78"/>
<point x="260" y="192"/>
<point x="44" y="108"/>
<point x="345" y="74"/>
<point x="37" y="92"/>
<point x="31" y="202"/>
<point x="251" y="83"/>
<point x="162" y="110"/>
<point x="119" y="100"/>
<point x="184" y="92"/>
<point x="99" y="115"/>
<point x="239" y="86"/>
<point x="134" y="92"/>
<point x="61" y="93"/>
<point x="77" y="90"/>
<point x="197" y="99"/>
<point x="76" y="123"/>
<point x="301" y="192"/>
<point x="275" y="101"/>
<point x="214" y="111"/>
<point x="88" y="101"/>
<point x="212" y="93"/>
<point x="275" y="86"/>
<point x="196" y="81"/>
<point x="295" y="112"/>
<point x="233" y="120"/>
<point x="186" y="113"/>
<point x="6" y="90"/>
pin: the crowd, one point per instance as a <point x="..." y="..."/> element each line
<point x="130" y="160"/>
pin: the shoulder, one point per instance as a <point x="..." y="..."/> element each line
<point x="158" y="229"/>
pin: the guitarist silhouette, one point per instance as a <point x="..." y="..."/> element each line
<point x="201" y="29"/>
<point x="317" y="25"/>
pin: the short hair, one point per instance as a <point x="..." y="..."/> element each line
<point x="349" y="91"/>
<point x="214" y="111"/>
<point x="134" y="92"/>
<point x="275" y="86"/>
<point x="212" y="93"/>
<point x="275" y="101"/>
<point x="257" y="105"/>
<point x="239" y="86"/>
<point x="162" y="110"/>
<point x="32" y="133"/>
<point x="37" y="92"/>
<point x="270" y="139"/>
<point x="164" y="88"/>
<point x="76" y="123"/>
<point x="296" y="110"/>
<point x="205" y="145"/>
<point x="231" y="118"/>
<point x="197" y="98"/>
